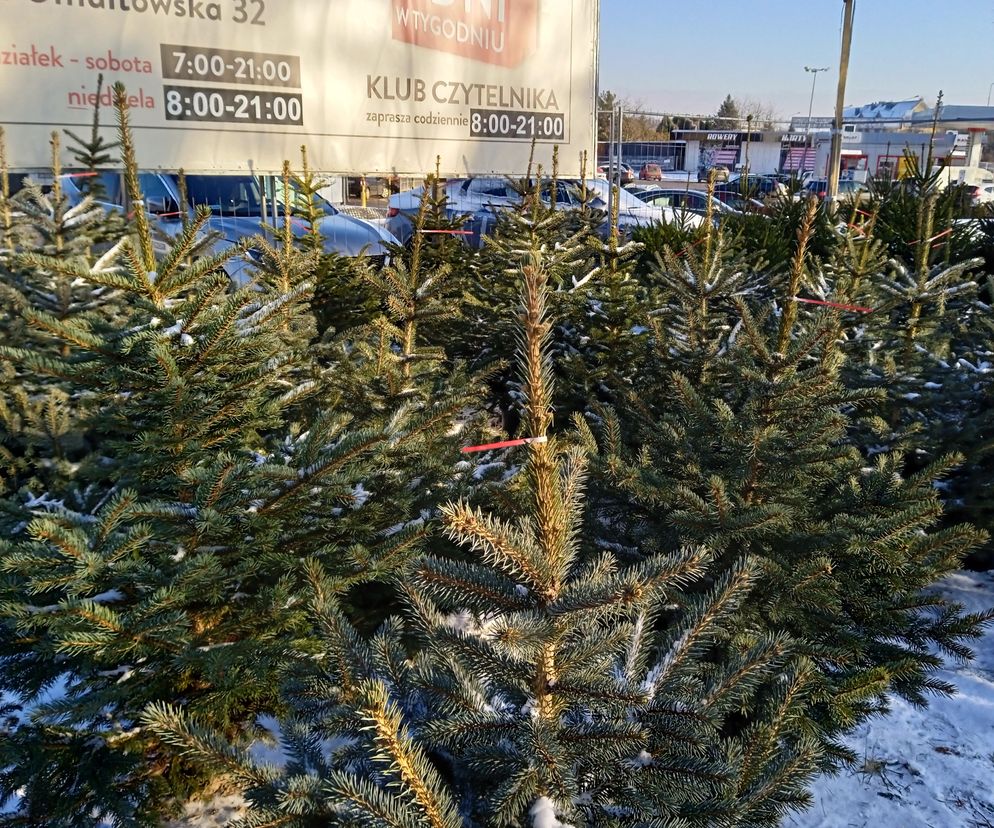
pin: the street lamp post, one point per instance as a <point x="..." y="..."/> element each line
<point x="814" y="70"/>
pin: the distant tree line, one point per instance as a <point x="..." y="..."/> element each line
<point x="641" y="125"/>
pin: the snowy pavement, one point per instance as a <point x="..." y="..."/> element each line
<point x="929" y="768"/>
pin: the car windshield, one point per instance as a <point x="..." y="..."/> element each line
<point x="226" y="195"/>
<point x="626" y="200"/>
<point x="239" y="195"/>
<point x="565" y="193"/>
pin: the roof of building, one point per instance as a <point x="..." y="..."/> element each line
<point x="956" y="113"/>
<point x="885" y="110"/>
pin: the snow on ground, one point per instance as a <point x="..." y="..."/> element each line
<point x="929" y="768"/>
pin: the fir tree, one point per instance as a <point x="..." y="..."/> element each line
<point x="925" y="342"/>
<point x="93" y="152"/>
<point x="340" y="300"/>
<point x="179" y="584"/>
<point x="575" y="259"/>
<point x="606" y="317"/>
<point x="743" y="445"/>
<point x="46" y="444"/>
<point x="728" y="116"/>
<point x="544" y="685"/>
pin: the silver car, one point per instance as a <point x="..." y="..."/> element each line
<point x="240" y="207"/>
<point x="691" y="201"/>
<point x="480" y="199"/>
<point x="464" y="197"/>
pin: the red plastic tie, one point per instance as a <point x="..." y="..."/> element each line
<point x="505" y="444"/>
<point x="688" y="248"/>
<point x="937" y="236"/>
<point x="857" y="308"/>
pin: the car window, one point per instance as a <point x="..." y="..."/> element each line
<point x="566" y="194"/>
<point x="562" y="193"/>
<point x="321" y="205"/>
<point x="112" y="185"/>
<point x="488" y="188"/>
<point x="225" y="195"/>
<point x="44" y="181"/>
<point x="159" y="196"/>
<point x="241" y="195"/>
<point x="661" y="201"/>
<point x="17" y="181"/>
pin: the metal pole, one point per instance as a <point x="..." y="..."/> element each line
<point x="621" y="138"/>
<point x="989" y="88"/>
<point x="610" y="162"/>
<point x="748" y="140"/>
<point x="809" y="141"/>
<point x="814" y="79"/>
<point x="836" y="155"/>
<point x="610" y="142"/>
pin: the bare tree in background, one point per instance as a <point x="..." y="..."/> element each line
<point x="765" y="115"/>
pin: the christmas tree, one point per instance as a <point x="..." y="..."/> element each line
<point x="544" y="684"/>
<point x="743" y="444"/>
<point x="227" y="460"/>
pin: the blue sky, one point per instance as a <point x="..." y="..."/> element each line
<point x="679" y="56"/>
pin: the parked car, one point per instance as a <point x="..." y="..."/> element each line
<point x="738" y="203"/>
<point x="236" y="203"/>
<point x="608" y="169"/>
<point x="753" y="186"/>
<point x="639" y="188"/>
<point x="627" y="174"/>
<point x="720" y="173"/>
<point x="651" y="172"/>
<point x="479" y="200"/>
<point x="691" y="201"/>
<point x="632" y="211"/>
<point x="980" y="194"/>
<point x="464" y="198"/>
<point x="818" y="187"/>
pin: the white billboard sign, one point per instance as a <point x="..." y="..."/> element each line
<point x="369" y="86"/>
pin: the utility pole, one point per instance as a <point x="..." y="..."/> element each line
<point x="835" y="159"/>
